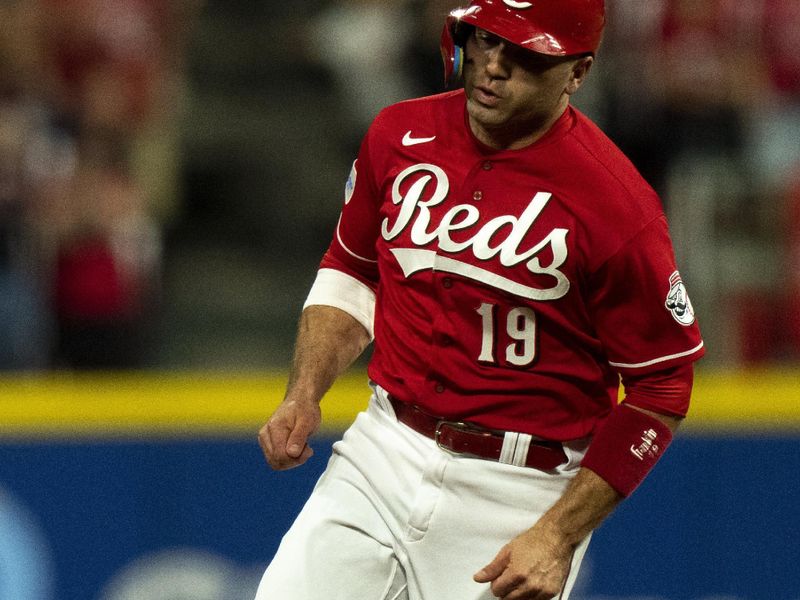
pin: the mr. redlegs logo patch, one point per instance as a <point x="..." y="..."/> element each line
<point x="678" y="302"/>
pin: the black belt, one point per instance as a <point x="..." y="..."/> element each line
<point x="471" y="440"/>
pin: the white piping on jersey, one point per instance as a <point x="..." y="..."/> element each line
<point x="656" y="360"/>
<point x="346" y="249"/>
<point x="412" y="260"/>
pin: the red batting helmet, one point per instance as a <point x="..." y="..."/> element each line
<point x="555" y="27"/>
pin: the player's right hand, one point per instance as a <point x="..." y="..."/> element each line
<point x="284" y="438"/>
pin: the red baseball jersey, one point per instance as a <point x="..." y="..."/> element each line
<point x="512" y="287"/>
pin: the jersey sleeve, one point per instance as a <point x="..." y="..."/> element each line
<point x="348" y="274"/>
<point x="641" y="309"/>
<point x="352" y="250"/>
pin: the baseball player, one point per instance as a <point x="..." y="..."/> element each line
<point x="510" y="267"/>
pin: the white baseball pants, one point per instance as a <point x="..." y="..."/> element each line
<point x="394" y="517"/>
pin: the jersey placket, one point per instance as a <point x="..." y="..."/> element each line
<point x="446" y="287"/>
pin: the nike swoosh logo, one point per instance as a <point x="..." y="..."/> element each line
<point x="412" y="141"/>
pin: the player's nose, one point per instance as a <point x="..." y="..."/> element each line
<point x="497" y="61"/>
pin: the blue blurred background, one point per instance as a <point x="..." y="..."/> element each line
<point x="170" y="174"/>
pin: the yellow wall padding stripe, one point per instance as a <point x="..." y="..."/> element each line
<point x="763" y="399"/>
<point x="126" y="405"/>
<point x="170" y="404"/>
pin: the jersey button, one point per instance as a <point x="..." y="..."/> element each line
<point x="439" y="388"/>
<point x="477" y="195"/>
<point x="447" y="283"/>
<point x="487" y="165"/>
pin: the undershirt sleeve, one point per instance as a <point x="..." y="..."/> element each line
<point x="666" y="392"/>
<point x="340" y="290"/>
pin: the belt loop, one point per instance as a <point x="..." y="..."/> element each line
<point x="515" y="448"/>
<point x="508" y="451"/>
<point x="521" y="451"/>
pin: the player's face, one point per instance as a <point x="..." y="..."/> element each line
<point x="515" y="95"/>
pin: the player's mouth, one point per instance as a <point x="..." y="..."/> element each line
<point x="483" y="95"/>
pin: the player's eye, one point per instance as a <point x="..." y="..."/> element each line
<point x="485" y="39"/>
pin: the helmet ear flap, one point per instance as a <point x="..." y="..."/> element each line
<point x="452" y="52"/>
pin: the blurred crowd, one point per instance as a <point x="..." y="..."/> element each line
<point x="704" y="96"/>
<point x="89" y="91"/>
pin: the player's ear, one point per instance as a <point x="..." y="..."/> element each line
<point x="579" y="70"/>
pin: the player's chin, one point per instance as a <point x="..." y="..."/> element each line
<point x="486" y="115"/>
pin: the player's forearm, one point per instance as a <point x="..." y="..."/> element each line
<point x="328" y="341"/>
<point x="588" y="500"/>
<point x="584" y="505"/>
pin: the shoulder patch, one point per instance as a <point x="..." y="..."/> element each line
<point x="350" y="186"/>
<point x="677" y="302"/>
